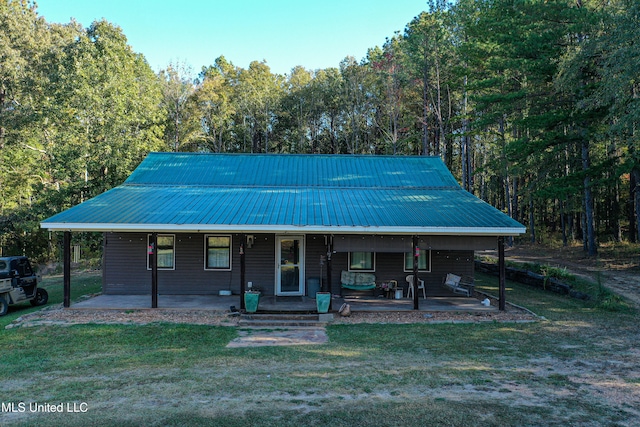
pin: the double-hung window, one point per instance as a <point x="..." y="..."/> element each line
<point x="218" y="252"/>
<point x="362" y="261"/>
<point x="166" y="251"/>
<point x="424" y="261"/>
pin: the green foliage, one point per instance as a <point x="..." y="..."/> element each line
<point x="78" y="111"/>
<point x="533" y="104"/>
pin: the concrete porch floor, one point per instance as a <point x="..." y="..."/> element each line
<point x="277" y="304"/>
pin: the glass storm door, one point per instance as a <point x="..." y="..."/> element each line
<point x="290" y="265"/>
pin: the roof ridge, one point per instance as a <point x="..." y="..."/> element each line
<point x="345" y="156"/>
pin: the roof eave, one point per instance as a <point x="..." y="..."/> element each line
<point x="288" y="229"/>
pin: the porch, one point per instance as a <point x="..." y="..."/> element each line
<point x="271" y="303"/>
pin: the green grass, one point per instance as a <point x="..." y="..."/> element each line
<point x="600" y="296"/>
<point x="82" y="284"/>
<point x="548" y="373"/>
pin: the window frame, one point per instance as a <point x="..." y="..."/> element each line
<point x="427" y="270"/>
<point x="206" y="252"/>
<point x="358" y="270"/>
<point x="173" y="258"/>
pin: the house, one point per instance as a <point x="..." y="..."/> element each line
<point x="283" y="223"/>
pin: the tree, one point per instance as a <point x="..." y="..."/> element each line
<point x="391" y="78"/>
<point x="213" y="98"/>
<point x="182" y="128"/>
<point x="258" y="94"/>
<point x="427" y="39"/>
<point x="107" y="102"/>
<point x="618" y="92"/>
<point x="298" y="132"/>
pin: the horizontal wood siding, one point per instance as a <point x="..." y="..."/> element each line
<point x="390" y="266"/>
<point x="125" y="266"/>
<point x="260" y="264"/>
<point x="315" y="247"/>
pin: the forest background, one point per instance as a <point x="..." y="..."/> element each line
<point x="533" y="105"/>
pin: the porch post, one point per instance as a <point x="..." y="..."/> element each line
<point x="328" y="281"/>
<point x="154" y="269"/>
<point x="502" y="274"/>
<point x="66" y="250"/>
<point x="416" y="255"/>
<point x="243" y="240"/>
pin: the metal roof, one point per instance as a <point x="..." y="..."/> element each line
<point x="288" y="193"/>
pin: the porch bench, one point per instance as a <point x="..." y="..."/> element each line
<point x="358" y="281"/>
<point x="459" y="284"/>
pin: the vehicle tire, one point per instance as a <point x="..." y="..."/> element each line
<point x="41" y="297"/>
<point x="4" y="306"/>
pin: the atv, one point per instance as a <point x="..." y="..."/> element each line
<point x="18" y="283"/>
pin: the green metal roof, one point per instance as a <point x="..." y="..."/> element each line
<point x="288" y="193"/>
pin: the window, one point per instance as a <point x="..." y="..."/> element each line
<point x="424" y="261"/>
<point x="362" y="261"/>
<point x="218" y="253"/>
<point x="166" y="251"/>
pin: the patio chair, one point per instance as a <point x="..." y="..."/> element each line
<point x="458" y="284"/>
<point x="409" y="279"/>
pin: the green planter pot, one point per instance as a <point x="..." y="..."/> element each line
<point x="323" y="300"/>
<point x="251" y="300"/>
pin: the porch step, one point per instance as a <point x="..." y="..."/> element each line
<point x="279" y="320"/>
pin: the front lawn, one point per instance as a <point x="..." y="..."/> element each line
<point x="579" y="367"/>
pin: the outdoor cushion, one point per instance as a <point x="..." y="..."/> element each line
<point x="358" y="281"/>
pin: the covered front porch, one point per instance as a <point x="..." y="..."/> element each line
<point x="271" y="303"/>
<point x="335" y="260"/>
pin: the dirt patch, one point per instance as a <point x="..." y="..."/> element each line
<point x="511" y="314"/>
<point x="56" y="315"/>
<point x="251" y="337"/>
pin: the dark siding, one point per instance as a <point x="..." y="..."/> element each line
<point x="125" y="266"/>
<point x="260" y="264"/>
<point x="390" y="266"/>
<point x="315" y="248"/>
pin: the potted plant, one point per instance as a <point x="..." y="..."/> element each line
<point x="323" y="301"/>
<point x="251" y="300"/>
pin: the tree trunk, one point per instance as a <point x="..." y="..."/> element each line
<point x="466" y="145"/>
<point x="563" y="224"/>
<point x="532" y="224"/>
<point x="590" y="236"/>
<point x="2" y="131"/>
<point x="425" y="111"/>
<point x="635" y="204"/>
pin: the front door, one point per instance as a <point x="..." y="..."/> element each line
<point x="289" y="265"/>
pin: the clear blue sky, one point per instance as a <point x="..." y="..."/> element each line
<point x="315" y="34"/>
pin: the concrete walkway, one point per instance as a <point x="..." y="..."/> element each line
<point x="271" y="303"/>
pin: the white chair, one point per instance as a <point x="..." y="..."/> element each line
<point x="420" y="286"/>
<point x="458" y="284"/>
